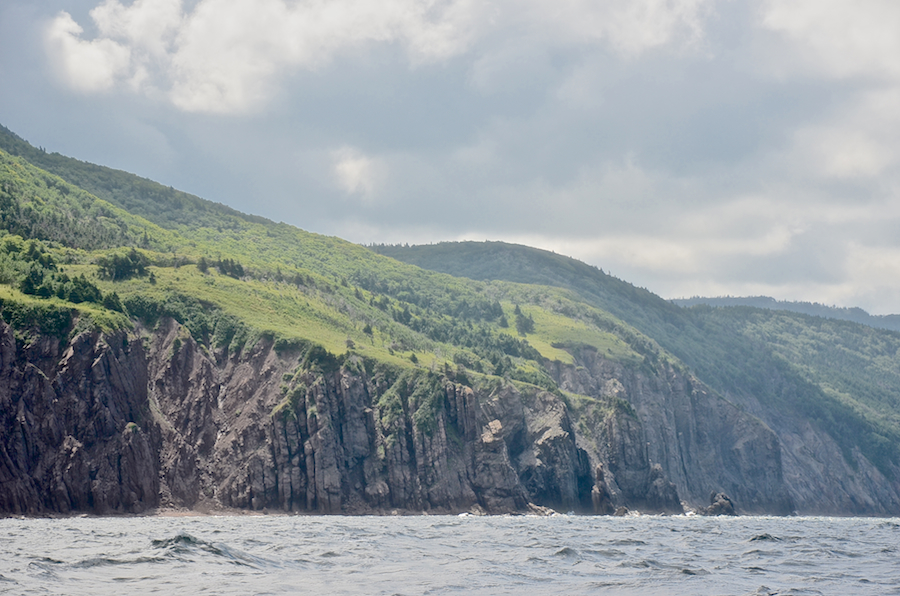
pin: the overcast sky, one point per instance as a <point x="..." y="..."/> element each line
<point x="694" y="147"/>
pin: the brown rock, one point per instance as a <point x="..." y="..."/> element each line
<point x="600" y="497"/>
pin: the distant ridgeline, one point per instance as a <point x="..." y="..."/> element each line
<point x="857" y="315"/>
<point x="162" y="350"/>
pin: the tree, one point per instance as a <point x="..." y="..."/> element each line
<point x="524" y="324"/>
<point x="231" y="268"/>
<point x="112" y="302"/>
<point x="33" y="280"/>
<point x="118" y="267"/>
<point x="83" y="290"/>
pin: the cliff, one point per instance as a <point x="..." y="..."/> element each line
<point x="76" y="428"/>
<point x="673" y="424"/>
<point x="215" y="383"/>
<point x="128" y="422"/>
<point x="116" y="424"/>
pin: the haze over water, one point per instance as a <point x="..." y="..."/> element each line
<point x="447" y="554"/>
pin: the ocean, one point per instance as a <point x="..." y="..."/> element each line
<point x="562" y="554"/>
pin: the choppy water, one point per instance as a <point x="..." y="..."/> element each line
<point x="437" y="555"/>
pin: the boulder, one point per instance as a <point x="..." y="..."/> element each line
<point x="719" y="504"/>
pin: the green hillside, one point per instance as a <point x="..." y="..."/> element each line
<point x="855" y="314"/>
<point x="842" y="375"/>
<point x="70" y="259"/>
<point x="86" y="245"/>
<point x="163" y="205"/>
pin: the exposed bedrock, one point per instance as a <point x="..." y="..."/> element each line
<point x="75" y="432"/>
<point x="130" y="422"/>
<point x="123" y="424"/>
<point x="666" y="437"/>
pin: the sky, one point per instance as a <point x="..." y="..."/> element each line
<point x="692" y="147"/>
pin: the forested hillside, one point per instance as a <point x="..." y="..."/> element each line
<point x="840" y="374"/>
<point x="239" y="362"/>
<point x="856" y="315"/>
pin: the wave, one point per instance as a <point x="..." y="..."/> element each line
<point x="184" y="546"/>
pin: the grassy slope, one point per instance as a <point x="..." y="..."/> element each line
<point x="297" y="285"/>
<point x="160" y="204"/>
<point x="843" y="375"/>
<point x="346" y="287"/>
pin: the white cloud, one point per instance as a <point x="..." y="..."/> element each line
<point x="581" y="89"/>
<point x="680" y="252"/>
<point x="856" y="43"/>
<point x="223" y="55"/>
<point x="226" y="55"/>
<point x="146" y="25"/>
<point x="842" y="151"/>
<point x="631" y="27"/>
<point x="86" y="66"/>
<point x="841" y="38"/>
<point x="355" y="173"/>
<point x="861" y="140"/>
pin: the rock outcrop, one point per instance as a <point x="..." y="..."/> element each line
<point x="128" y="422"/>
<point x="107" y="424"/>
<point x="75" y="424"/>
<point x="666" y="438"/>
<point x="600" y="497"/>
<point x="821" y="478"/>
<point x="719" y="504"/>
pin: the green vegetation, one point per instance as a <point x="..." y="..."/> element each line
<point x="842" y="376"/>
<point x="86" y="246"/>
<point x="234" y="280"/>
<point x="857" y="315"/>
<point x="154" y="202"/>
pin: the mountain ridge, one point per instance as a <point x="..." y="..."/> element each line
<point x="854" y="314"/>
<point x="246" y="363"/>
<point x="715" y="342"/>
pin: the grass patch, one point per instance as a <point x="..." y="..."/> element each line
<point x="56" y="317"/>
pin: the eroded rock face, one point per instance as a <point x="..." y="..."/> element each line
<point x="123" y="423"/>
<point x="75" y="427"/>
<point x="673" y="440"/>
<point x="819" y="477"/>
<point x="600" y="497"/>
<point x="109" y="424"/>
<point x="703" y="443"/>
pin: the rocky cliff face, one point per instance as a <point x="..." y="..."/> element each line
<point x="130" y="422"/>
<point x="672" y="430"/>
<point x="114" y="424"/>
<point x="76" y="432"/>
<point x="819" y="477"/>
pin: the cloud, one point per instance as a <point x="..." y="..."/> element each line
<point x="840" y="38"/>
<point x="855" y="41"/>
<point x="861" y="140"/>
<point x="147" y="26"/>
<point x="86" y="66"/>
<point x="630" y="27"/>
<point x="223" y="55"/>
<point x="357" y="174"/>
<point x="227" y="56"/>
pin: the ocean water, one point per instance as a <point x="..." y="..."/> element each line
<point x="449" y="554"/>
